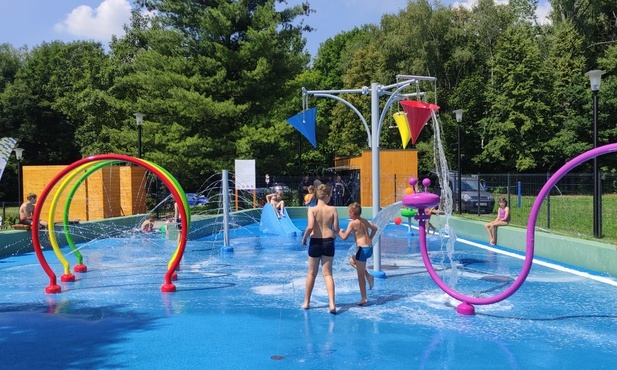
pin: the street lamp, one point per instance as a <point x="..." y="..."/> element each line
<point x="459" y="119"/>
<point x="595" y="77"/>
<point x="139" y="117"/>
<point x="19" y="152"/>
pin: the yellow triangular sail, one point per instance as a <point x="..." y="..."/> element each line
<point x="403" y="127"/>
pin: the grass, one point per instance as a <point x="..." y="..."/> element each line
<point x="11" y="216"/>
<point x="570" y="215"/>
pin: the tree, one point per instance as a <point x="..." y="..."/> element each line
<point x="569" y="95"/>
<point x="206" y="74"/>
<point x="517" y="125"/>
<point x="41" y="104"/>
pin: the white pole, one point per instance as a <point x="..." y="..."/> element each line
<point x="375" y="171"/>
<point x="225" y="195"/>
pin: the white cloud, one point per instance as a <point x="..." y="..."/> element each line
<point x="98" y="24"/>
<point x="471" y="3"/>
<point x="542" y="11"/>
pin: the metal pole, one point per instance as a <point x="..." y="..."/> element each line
<point x="375" y="169"/>
<point x="595" y="78"/>
<point x="138" y="141"/>
<point x="460" y="182"/>
<point x="299" y="154"/>
<point x="597" y="217"/>
<point x="479" y="194"/>
<point x="226" y="206"/>
<point x="19" y="197"/>
<point x="459" y="118"/>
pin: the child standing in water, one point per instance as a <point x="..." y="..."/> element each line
<point x="322" y="227"/>
<point x="363" y="231"/>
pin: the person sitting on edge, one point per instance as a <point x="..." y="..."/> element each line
<point x="27" y="209"/>
<point x="276" y="199"/>
<point x="364" y="240"/>
<point x="503" y="218"/>
<point x="148" y="225"/>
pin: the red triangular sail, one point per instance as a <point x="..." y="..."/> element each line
<point x="418" y="113"/>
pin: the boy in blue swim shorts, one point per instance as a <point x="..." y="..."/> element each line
<point x="363" y="232"/>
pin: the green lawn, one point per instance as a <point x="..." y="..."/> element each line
<point x="11" y="215"/>
<point x="570" y="215"/>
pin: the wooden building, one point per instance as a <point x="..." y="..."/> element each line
<point x="396" y="167"/>
<point x="112" y="191"/>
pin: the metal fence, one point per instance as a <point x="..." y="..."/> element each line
<point x="571" y="196"/>
<point x="568" y="208"/>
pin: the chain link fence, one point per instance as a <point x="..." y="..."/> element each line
<point x="568" y="209"/>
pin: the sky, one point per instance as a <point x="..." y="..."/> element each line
<point x="31" y="22"/>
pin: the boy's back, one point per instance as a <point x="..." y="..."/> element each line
<point x="359" y="228"/>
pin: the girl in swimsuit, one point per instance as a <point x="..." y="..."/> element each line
<point x="503" y="218"/>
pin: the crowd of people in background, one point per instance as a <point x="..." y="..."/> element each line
<point x="340" y="190"/>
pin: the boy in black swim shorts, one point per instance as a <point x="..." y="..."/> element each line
<point x="322" y="227"/>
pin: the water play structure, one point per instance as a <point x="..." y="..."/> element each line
<point x="85" y="167"/>
<point x="271" y="224"/>
<point x="425" y="200"/>
<point x="415" y="118"/>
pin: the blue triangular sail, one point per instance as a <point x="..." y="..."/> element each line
<point x="305" y="123"/>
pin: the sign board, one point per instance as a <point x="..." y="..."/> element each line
<point x="245" y="174"/>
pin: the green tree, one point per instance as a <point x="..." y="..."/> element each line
<point x="517" y="126"/>
<point x="569" y="95"/>
<point x="206" y="74"/>
<point x="39" y="106"/>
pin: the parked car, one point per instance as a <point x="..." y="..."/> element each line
<point x="280" y="187"/>
<point x="473" y="194"/>
<point x="195" y="199"/>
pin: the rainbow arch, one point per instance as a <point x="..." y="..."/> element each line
<point x="90" y="165"/>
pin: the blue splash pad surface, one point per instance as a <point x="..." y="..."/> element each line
<point x="241" y="310"/>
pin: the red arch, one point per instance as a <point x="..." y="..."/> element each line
<point x="53" y="287"/>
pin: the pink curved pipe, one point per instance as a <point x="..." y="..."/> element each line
<point x="465" y="307"/>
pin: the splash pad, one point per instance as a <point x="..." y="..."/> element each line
<point x="90" y="164"/>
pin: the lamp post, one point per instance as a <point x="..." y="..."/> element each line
<point x="139" y="117"/>
<point x="595" y="77"/>
<point x="459" y="119"/>
<point x="19" y="152"/>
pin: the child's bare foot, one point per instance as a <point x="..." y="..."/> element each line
<point x="362" y="302"/>
<point x="306" y="306"/>
<point x="371" y="281"/>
